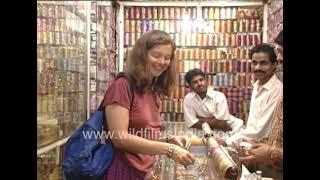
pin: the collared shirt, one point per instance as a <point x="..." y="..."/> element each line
<point x="213" y="105"/>
<point x="262" y="106"/>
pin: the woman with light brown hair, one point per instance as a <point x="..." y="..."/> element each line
<point x="150" y="71"/>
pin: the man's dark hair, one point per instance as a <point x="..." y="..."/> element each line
<point x="279" y="38"/>
<point x="193" y="72"/>
<point x="266" y="48"/>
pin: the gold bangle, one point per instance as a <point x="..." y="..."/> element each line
<point x="170" y="150"/>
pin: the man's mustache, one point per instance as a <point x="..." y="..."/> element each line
<point x="258" y="71"/>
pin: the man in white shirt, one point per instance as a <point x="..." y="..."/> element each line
<point x="204" y="104"/>
<point x="268" y="156"/>
<point x="267" y="90"/>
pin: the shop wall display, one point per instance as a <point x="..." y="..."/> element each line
<point x="215" y="39"/>
<point x="275" y="25"/>
<point x="76" y="63"/>
<point x="103" y="51"/>
<point x="79" y="48"/>
<point x="61" y="69"/>
<point x="48" y="166"/>
<point x="275" y="19"/>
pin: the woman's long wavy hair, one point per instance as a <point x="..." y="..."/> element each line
<point x="137" y="64"/>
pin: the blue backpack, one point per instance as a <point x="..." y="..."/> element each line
<point x="87" y="158"/>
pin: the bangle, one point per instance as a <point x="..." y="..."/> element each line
<point x="204" y="142"/>
<point x="170" y="150"/>
<point x="209" y="135"/>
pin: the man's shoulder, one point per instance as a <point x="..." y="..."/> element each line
<point x="277" y="82"/>
<point x="278" y="86"/>
<point x="189" y="96"/>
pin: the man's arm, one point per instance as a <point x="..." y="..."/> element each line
<point x="194" y="121"/>
<point x="213" y="123"/>
<point x="198" y="125"/>
<point x="259" y="129"/>
<point x="221" y="114"/>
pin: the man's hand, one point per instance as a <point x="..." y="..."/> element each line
<point x="204" y="119"/>
<point x="215" y="123"/>
<point x="259" y="153"/>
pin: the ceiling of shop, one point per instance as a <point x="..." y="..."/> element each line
<point x="188" y="0"/>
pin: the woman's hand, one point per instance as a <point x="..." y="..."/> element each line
<point x="182" y="141"/>
<point x="182" y="156"/>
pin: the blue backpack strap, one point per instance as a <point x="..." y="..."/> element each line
<point x="88" y="158"/>
<point x="131" y="85"/>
